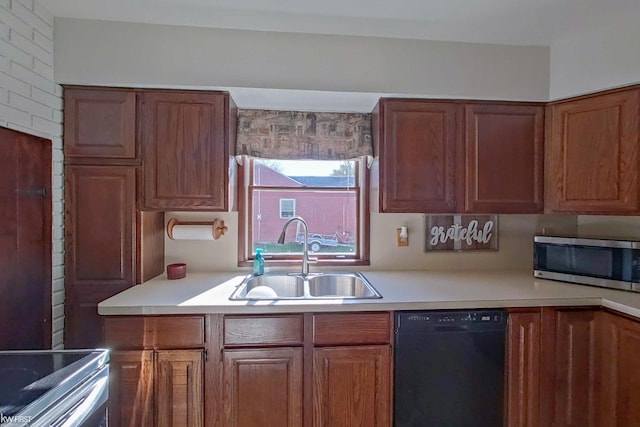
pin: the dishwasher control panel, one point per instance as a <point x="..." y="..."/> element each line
<point x="424" y="321"/>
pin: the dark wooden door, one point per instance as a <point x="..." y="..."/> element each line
<point x="351" y="386"/>
<point x="179" y="388"/>
<point x="25" y="241"/>
<point x="420" y="155"/>
<point x="504" y="158"/>
<point x="263" y="387"/>
<point x="621" y="378"/>
<point x="100" y="255"/>
<point x="572" y="374"/>
<point x="185" y="151"/>
<point x="131" y="398"/>
<point x="592" y="154"/>
<point x="99" y="123"/>
<point x="523" y="368"/>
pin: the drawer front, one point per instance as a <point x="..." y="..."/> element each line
<point x="146" y="332"/>
<point x="351" y="328"/>
<point x="240" y="331"/>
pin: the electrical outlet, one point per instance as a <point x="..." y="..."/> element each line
<point x="402" y="241"/>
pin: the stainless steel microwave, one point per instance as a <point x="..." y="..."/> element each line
<point x="597" y="262"/>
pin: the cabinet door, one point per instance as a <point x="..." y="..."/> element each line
<point x="592" y="154"/>
<point x="621" y="382"/>
<point x="185" y="152"/>
<point x="576" y="370"/>
<point x="419" y="157"/>
<point x="263" y="387"/>
<point x="99" y="123"/>
<point x="504" y="158"/>
<point x="351" y="386"/>
<point x="100" y="245"/>
<point x="131" y="399"/>
<point x="179" y="388"/>
<point x="523" y="369"/>
<point x="100" y="225"/>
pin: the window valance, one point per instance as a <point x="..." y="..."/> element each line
<point x="298" y="135"/>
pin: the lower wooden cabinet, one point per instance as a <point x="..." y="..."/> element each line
<point x="351" y="386"/>
<point x="574" y="363"/>
<point x="157" y="388"/>
<point x="263" y="387"/>
<point x="523" y="368"/>
<point x="565" y="367"/>
<point x="156" y="370"/>
<point x="572" y="367"/>
<point x="621" y="385"/>
<point x="329" y="369"/>
<point x="179" y="388"/>
<point x="131" y="397"/>
<point x="351" y="371"/>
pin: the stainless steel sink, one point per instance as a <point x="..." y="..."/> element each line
<point x="272" y="286"/>
<point x="280" y="286"/>
<point x="336" y="285"/>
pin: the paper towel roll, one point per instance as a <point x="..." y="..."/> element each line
<point x="192" y="232"/>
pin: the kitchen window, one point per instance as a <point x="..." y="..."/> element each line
<point x="330" y="195"/>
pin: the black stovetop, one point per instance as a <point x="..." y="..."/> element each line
<point x="27" y="376"/>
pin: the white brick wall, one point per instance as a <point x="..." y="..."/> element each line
<point x="31" y="102"/>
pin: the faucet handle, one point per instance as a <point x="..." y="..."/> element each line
<point x="311" y="260"/>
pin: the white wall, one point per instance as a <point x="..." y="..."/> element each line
<point x="599" y="59"/>
<point x="117" y="53"/>
<point x="515" y="244"/>
<point x="595" y="60"/>
<point x="619" y="227"/>
<point x="125" y="54"/>
<point x="30" y="102"/>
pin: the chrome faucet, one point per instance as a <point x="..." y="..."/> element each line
<point x="305" y="252"/>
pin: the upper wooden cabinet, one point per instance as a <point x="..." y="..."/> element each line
<point x="592" y="154"/>
<point x="186" y="152"/>
<point x="504" y="158"/>
<point x="100" y="123"/>
<point x="455" y="156"/>
<point x="418" y="146"/>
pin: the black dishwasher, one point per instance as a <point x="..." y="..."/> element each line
<point x="449" y="368"/>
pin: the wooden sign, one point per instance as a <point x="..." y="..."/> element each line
<point x="461" y="233"/>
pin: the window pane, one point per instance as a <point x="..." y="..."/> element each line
<point x="304" y="173"/>
<point x="323" y="193"/>
<point x="330" y="215"/>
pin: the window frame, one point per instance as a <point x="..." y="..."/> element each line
<point x="245" y="254"/>
<point x="293" y="210"/>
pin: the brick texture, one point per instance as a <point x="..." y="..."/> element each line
<point x="31" y="102"/>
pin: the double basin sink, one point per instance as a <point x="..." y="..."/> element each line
<point x="283" y="286"/>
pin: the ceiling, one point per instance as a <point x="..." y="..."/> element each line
<point x="518" y="22"/>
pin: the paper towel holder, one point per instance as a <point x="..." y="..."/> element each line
<point x="217" y="227"/>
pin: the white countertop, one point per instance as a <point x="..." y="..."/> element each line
<point x="201" y="293"/>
